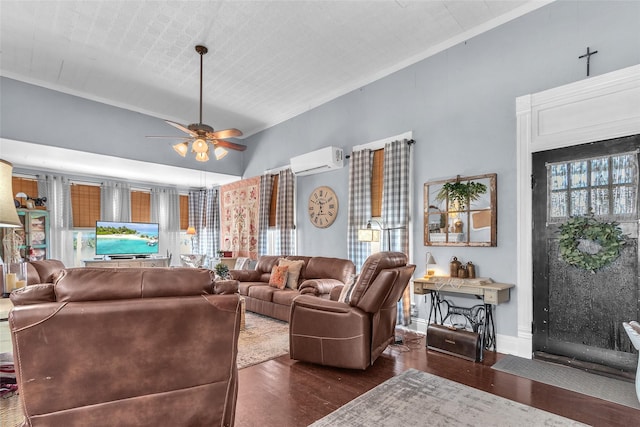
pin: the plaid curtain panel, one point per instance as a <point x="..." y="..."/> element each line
<point x="266" y="186"/>
<point x="286" y="244"/>
<point x="165" y="210"/>
<point x="197" y="200"/>
<point x="395" y="209"/>
<point x="204" y="216"/>
<point x="212" y="220"/>
<point x="359" y="205"/>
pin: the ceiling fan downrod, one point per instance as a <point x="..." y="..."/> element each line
<point x="202" y="50"/>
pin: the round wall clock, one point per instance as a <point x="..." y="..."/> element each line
<point x="323" y="207"/>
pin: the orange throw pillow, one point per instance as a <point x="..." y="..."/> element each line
<point x="278" y="277"/>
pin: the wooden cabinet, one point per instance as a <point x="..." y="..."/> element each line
<point x="127" y="263"/>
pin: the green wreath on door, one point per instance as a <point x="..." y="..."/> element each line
<point x="590" y="244"/>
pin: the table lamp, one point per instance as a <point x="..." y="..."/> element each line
<point x="430" y="261"/>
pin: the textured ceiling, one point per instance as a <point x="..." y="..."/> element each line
<point x="268" y="60"/>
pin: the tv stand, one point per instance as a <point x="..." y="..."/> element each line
<point x="127" y="263"/>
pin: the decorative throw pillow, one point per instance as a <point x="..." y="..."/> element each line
<point x="347" y="289"/>
<point x="295" y="267"/>
<point x="278" y="277"/>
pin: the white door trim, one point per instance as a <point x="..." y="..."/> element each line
<point x="594" y="109"/>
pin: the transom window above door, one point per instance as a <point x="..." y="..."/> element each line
<point x="605" y="186"/>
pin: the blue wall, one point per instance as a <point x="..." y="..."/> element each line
<point x="460" y="105"/>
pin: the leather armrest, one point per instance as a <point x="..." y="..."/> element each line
<point x="335" y="292"/>
<point x="33" y="294"/>
<point x="321" y="304"/>
<point x="245" y="275"/>
<point x="225" y="287"/>
<point x="318" y="287"/>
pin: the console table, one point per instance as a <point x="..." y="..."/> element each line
<point x="127" y="263"/>
<point x="480" y="316"/>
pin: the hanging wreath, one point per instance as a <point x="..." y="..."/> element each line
<point x="588" y="243"/>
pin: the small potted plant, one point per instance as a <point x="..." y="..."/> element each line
<point x="222" y="270"/>
<point x="459" y="194"/>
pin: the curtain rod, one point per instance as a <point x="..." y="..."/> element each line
<point x="409" y="142"/>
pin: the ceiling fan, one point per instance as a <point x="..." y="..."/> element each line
<point x="201" y="135"/>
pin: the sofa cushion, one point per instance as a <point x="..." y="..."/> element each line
<point x="264" y="293"/>
<point x="285" y="296"/>
<point x="243" y="287"/>
<point x="295" y="268"/>
<point x="278" y="277"/>
<point x="347" y="289"/>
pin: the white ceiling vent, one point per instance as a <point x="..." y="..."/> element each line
<point x="322" y="160"/>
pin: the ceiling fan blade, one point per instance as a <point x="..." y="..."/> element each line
<point x="228" y="144"/>
<point x="169" y="137"/>
<point x="181" y="127"/>
<point x="225" y="133"/>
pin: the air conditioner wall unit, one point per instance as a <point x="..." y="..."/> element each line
<point x="322" y="160"/>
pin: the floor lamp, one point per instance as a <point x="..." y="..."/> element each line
<point x="370" y="234"/>
<point x="8" y="214"/>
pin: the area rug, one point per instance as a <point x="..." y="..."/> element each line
<point x="567" y="377"/>
<point x="262" y="339"/>
<point x="416" y="398"/>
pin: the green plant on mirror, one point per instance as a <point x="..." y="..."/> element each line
<point x="459" y="194"/>
<point x="221" y="270"/>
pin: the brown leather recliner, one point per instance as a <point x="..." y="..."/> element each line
<point x="143" y="347"/>
<point x="354" y="334"/>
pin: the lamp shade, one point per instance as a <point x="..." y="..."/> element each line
<point x="220" y="152"/>
<point x="368" y="235"/>
<point x="430" y="259"/>
<point x="191" y="231"/>
<point x="8" y="213"/>
<point x="182" y="148"/>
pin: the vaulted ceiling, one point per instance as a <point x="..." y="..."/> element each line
<point x="268" y="60"/>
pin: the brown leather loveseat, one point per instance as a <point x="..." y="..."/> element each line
<point x="317" y="277"/>
<point x="144" y="347"/>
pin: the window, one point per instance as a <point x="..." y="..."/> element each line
<point x="377" y="180"/>
<point x="606" y="186"/>
<point x="85" y="205"/>
<point x="140" y="206"/>
<point x="25" y="185"/>
<point x="184" y="212"/>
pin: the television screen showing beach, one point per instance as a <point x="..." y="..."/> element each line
<point x="126" y="238"/>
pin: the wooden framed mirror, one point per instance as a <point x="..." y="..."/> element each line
<point x="461" y="211"/>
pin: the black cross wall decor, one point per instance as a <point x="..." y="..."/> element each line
<point x="588" y="56"/>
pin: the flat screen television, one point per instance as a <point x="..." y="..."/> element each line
<point x="126" y="238"/>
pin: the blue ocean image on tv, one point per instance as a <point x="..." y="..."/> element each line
<point x="126" y="238"/>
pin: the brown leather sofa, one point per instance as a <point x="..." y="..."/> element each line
<point x="105" y="347"/>
<point x="353" y="334"/>
<point x="319" y="275"/>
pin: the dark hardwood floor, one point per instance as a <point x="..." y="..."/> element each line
<point x="286" y="393"/>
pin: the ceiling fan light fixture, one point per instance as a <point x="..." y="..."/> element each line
<point x="202" y="157"/>
<point x="200" y="145"/>
<point x="182" y="148"/>
<point x="220" y="152"/>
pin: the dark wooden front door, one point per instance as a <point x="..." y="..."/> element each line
<point x="578" y="314"/>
